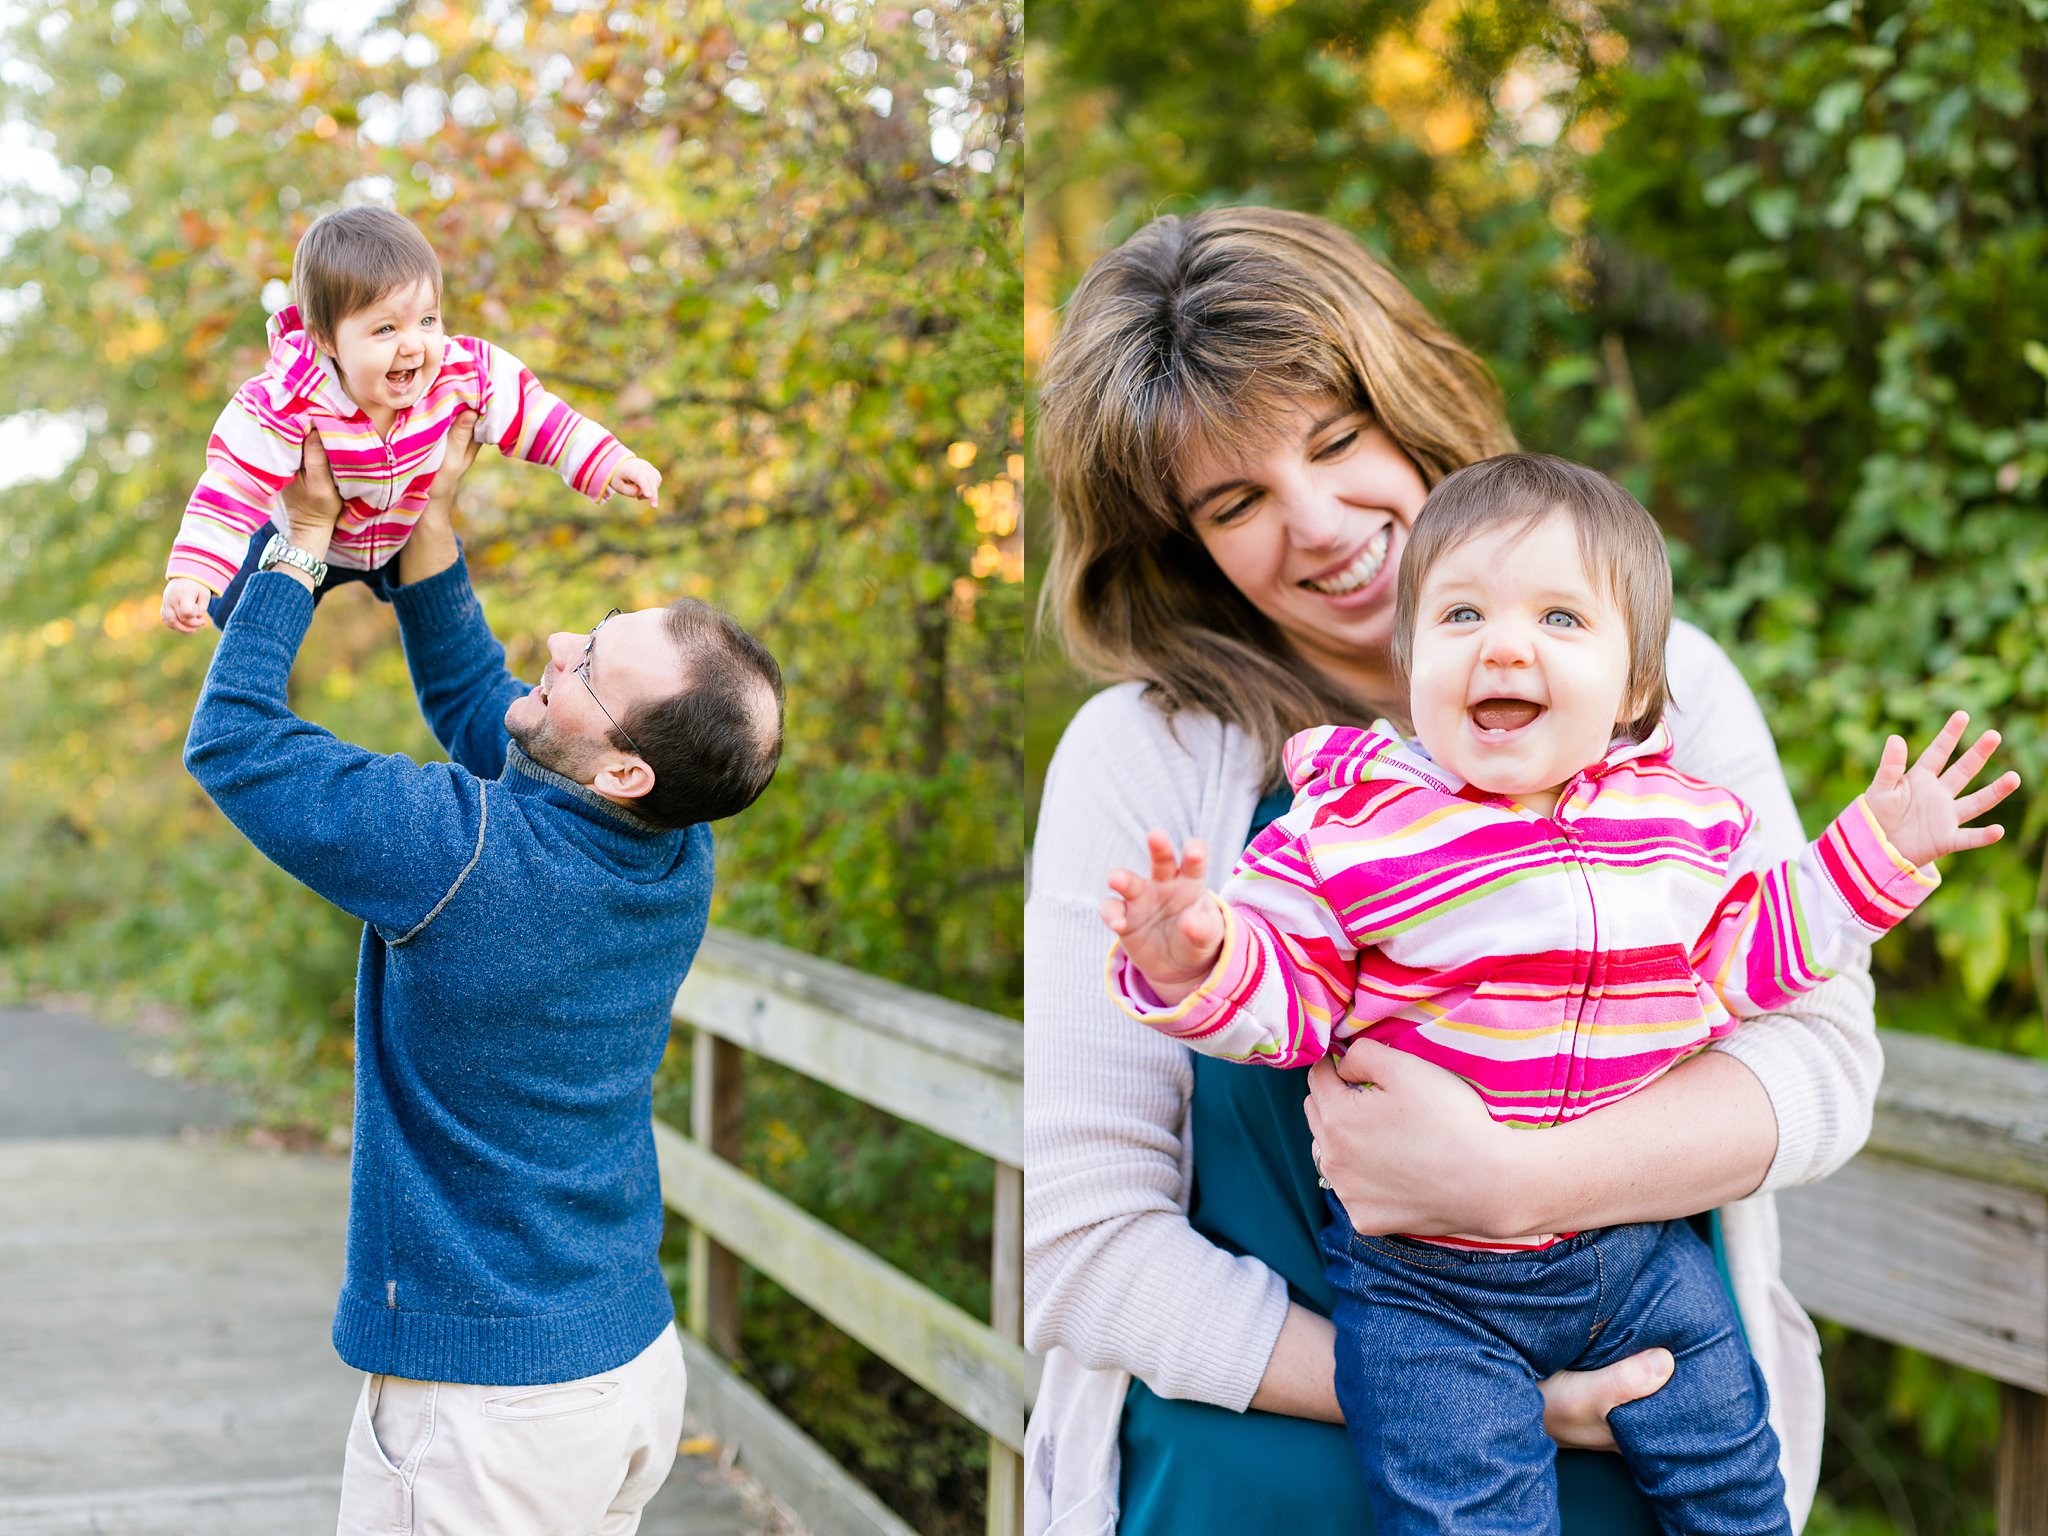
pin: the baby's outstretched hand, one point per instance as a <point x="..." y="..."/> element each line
<point x="1922" y="809"/>
<point x="639" y="479"/>
<point x="185" y="601"/>
<point x="1170" y="924"/>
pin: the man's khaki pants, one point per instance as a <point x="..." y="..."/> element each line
<point x="578" y="1458"/>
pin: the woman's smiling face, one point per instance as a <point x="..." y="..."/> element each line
<point x="1311" y="532"/>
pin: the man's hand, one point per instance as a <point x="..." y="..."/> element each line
<point x="457" y="455"/>
<point x="431" y="547"/>
<point x="1171" y="925"/>
<point x="1923" y="810"/>
<point x="638" y="479"/>
<point x="312" y="501"/>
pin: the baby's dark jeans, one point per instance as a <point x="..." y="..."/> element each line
<point x="1439" y="1352"/>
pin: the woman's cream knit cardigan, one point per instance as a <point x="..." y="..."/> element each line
<point x="1117" y="1284"/>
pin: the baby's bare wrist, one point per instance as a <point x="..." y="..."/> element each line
<point x="1182" y="983"/>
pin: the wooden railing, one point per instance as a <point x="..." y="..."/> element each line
<point x="1936" y="1237"/>
<point x="952" y="1069"/>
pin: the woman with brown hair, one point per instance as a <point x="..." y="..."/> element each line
<point x="1241" y="416"/>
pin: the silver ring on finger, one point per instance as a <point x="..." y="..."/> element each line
<point x="1315" y="1152"/>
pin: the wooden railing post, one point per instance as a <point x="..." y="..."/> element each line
<point x="1006" y="1317"/>
<point x="954" y="1070"/>
<point x="715" y="1125"/>
<point x="2022" y="1462"/>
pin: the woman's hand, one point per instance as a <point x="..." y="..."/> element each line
<point x="1408" y="1147"/>
<point x="1301" y="1380"/>
<point x="1171" y="923"/>
<point x="1576" y="1403"/>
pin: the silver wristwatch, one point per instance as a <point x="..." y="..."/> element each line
<point x="277" y="552"/>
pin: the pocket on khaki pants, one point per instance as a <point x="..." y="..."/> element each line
<point x="555" y="1402"/>
<point x="573" y="1458"/>
<point x="394" y="1421"/>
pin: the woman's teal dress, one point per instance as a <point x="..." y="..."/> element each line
<point x="1192" y="1468"/>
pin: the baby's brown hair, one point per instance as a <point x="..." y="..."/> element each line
<point x="349" y="260"/>
<point x="1618" y="540"/>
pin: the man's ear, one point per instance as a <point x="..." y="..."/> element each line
<point x="628" y="778"/>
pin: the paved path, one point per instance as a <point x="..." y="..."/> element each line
<point x="165" y="1295"/>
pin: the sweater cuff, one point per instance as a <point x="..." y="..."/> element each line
<point x="272" y="603"/>
<point x="254" y="656"/>
<point x="1229" y="1382"/>
<point x="1803" y="1111"/>
<point x="444" y="601"/>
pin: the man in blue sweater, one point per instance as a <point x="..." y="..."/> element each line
<point x="530" y="909"/>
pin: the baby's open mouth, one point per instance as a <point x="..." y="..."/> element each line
<point x="1364" y="566"/>
<point x="1504" y="714"/>
<point x="401" y="378"/>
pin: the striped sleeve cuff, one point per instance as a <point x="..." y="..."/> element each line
<point x="1222" y="992"/>
<point x="1879" y="884"/>
<point x="214" y="575"/>
<point x="594" y="475"/>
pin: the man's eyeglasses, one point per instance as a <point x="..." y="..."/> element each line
<point x="582" y="670"/>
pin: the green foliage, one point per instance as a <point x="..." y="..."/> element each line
<point x="773" y="247"/>
<point x="1776" y="266"/>
<point x="1845" y="220"/>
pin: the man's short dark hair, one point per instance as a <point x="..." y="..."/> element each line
<point x="714" y="746"/>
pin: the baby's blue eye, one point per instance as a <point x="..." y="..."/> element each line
<point x="1561" y="618"/>
<point x="1463" y="613"/>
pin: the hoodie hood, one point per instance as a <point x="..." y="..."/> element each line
<point x="299" y="371"/>
<point x="1334" y="757"/>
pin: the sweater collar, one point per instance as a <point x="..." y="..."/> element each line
<point x="517" y="762"/>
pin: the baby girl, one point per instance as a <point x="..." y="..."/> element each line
<point x="361" y="358"/>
